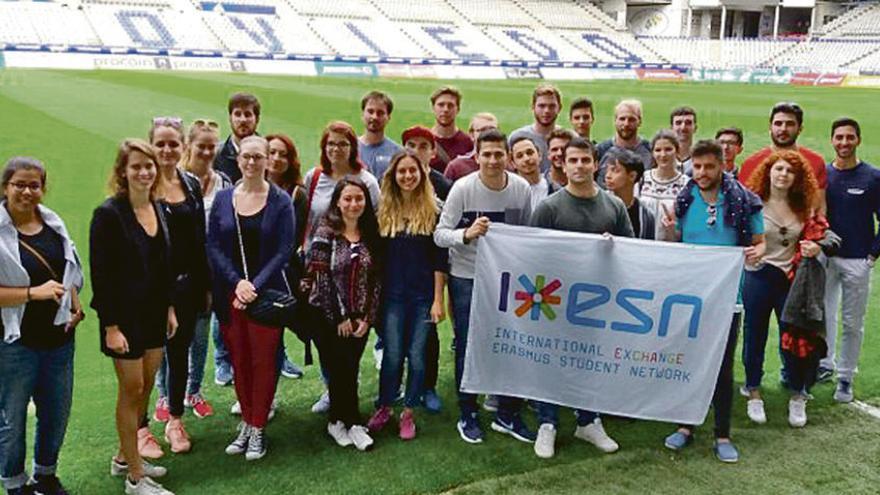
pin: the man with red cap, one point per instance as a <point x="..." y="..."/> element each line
<point x="420" y="142"/>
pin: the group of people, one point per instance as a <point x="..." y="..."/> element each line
<point x="199" y="236"/>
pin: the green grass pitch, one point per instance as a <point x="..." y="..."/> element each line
<point x="74" y="121"/>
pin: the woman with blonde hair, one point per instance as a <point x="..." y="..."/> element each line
<point x="130" y="258"/>
<point x="198" y="160"/>
<point x="412" y="285"/>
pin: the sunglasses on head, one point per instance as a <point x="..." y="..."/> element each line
<point x="175" y="122"/>
<point x="206" y="123"/>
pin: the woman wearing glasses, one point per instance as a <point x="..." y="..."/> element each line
<point x="250" y="242"/>
<point x="180" y="195"/>
<point x="40" y="276"/>
<point x="786" y="185"/>
<point x="343" y="264"/>
<point x="130" y="258"/>
<point x="339" y="159"/>
<point x="198" y="160"/>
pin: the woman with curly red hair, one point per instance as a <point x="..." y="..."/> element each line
<point x="786" y="184"/>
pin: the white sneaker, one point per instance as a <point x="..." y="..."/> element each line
<point x="797" y="411"/>
<point x="240" y="444"/>
<point x="595" y="434"/>
<point x="755" y="410"/>
<point x="145" y="486"/>
<point x="119" y="468"/>
<point x="322" y="405"/>
<point x="256" y="447"/>
<point x="360" y="438"/>
<point x="744" y="391"/>
<point x="339" y="433"/>
<point x="377" y="356"/>
<point x="272" y="409"/>
<point x="545" y="444"/>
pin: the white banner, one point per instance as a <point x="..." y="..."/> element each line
<point x="624" y="326"/>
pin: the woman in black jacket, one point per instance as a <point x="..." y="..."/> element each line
<point x="129" y="254"/>
<point x="180" y="195"/>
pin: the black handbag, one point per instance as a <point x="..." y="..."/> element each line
<point x="272" y="307"/>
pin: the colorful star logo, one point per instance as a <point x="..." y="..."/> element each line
<point x="537" y="298"/>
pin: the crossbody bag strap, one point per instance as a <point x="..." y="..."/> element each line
<point x="41" y="259"/>
<point x="240" y="239"/>
<point x="241" y="248"/>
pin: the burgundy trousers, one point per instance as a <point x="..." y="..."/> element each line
<point x="253" y="350"/>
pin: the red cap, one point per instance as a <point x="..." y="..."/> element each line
<point x="417" y="131"/>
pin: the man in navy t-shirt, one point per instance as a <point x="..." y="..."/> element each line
<point x="853" y="198"/>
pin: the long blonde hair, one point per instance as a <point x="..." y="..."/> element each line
<point x="418" y="214"/>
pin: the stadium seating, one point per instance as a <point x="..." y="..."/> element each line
<point x="44" y="23"/>
<point x="349" y="9"/>
<point x="863" y="20"/>
<point x="431" y="11"/>
<point x="478" y="30"/>
<point x="492" y="12"/>
<point x="825" y="54"/>
<point x="719" y="54"/>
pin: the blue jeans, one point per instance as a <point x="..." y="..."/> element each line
<point x="221" y="353"/>
<point x="46" y="376"/>
<point x="407" y="325"/>
<point x="198" y="351"/>
<point x="764" y="292"/>
<point x="549" y="413"/>
<point x="460" y="291"/>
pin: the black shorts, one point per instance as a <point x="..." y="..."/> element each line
<point x="141" y="337"/>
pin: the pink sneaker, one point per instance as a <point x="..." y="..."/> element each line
<point x="162" y="413"/>
<point x="148" y="447"/>
<point x="380" y="418"/>
<point x="407" y="426"/>
<point x="177" y="437"/>
<point x="201" y="408"/>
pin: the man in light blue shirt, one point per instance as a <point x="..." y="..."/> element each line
<point x="714" y="209"/>
<point x="374" y="149"/>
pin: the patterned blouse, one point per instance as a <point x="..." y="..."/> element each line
<point x="347" y="282"/>
<point x="655" y="194"/>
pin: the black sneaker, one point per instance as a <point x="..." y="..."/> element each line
<point x="824" y="374"/>
<point x="47" y="484"/>
<point x="256" y="447"/>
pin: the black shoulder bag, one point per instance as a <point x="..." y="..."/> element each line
<point x="272" y="307"/>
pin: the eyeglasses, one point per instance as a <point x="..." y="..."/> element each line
<point x="206" y="123"/>
<point x="175" y="122"/>
<point x="338" y="144"/>
<point x="21" y="186"/>
<point x="712" y="211"/>
<point x="257" y="157"/>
